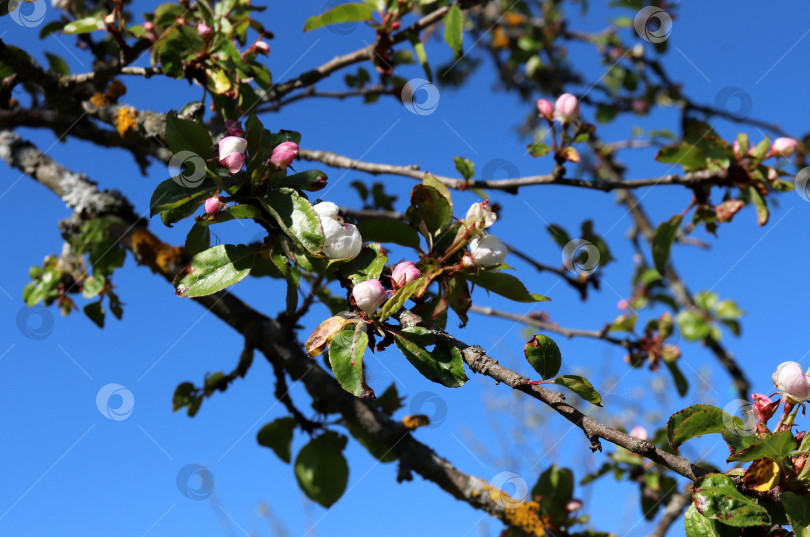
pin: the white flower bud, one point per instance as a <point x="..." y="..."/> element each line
<point x="487" y="250"/>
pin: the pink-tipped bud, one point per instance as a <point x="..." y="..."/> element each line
<point x="640" y="432"/>
<point x="623" y="305"/>
<point x="232" y="152"/>
<point x="546" y="109"/>
<point x="792" y="382"/>
<point x="404" y="273"/>
<point x="234" y="128"/>
<point x="369" y="295"/>
<point x="261" y="47"/>
<point x="573" y="505"/>
<point x="763" y="407"/>
<point x="204" y="30"/>
<point x="736" y="147"/>
<point x="148" y="26"/>
<point x="784" y="147"/>
<point x="284" y="154"/>
<point x="213" y="205"/>
<point x="566" y="109"/>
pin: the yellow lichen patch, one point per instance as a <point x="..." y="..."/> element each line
<point x="116" y="90"/>
<point x="499" y="39"/>
<point x="514" y="19"/>
<point x="99" y="99"/>
<point x="127" y="121"/>
<point x="415" y="421"/>
<point x="762" y="475"/>
<point x="520" y="514"/>
<point x="154" y="253"/>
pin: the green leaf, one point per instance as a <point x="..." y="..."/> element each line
<point x="465" y="167"/>
<point x="353" y="12"/>
<point x="398" y="299"/>
<point x="278" y="436"/>
<point x="728" y="309"/>
<point x="375" y="446"/>
<point x="84" y="25"/>
<point x="368" y="264"/>
<point x="693" y="325"/>
<point x="681" y="384"/>
<point x="171" y="194"/>
<point x="543" y="355"/>
<point x="797" y="509"/>
<point x="444" y="365"/>
<point x="698" y="420"/>
<point x="321" y="468"/>
<point x="738" y="440"/>
<point x="429" y="210"/>
<point x="95" y="311"/>
<point x="198" y="239"/>
<point x="690" y="157"/>
<point x="296" y="217"/>
<point x="662" y="242"/>
<point x="554" y="488"/>
<point x="580" y="386"/>
<point x="538" y="150"/>
<point x="389" y="230"/>
<point x="697" y="525"/>
<point x="57" y="64"/>
<point x="419" y="49"/>
<point x="92" y="286"/>
<point x="716" y="497"/>
<point x="311" y="180"/>
<point x="214" y="269"/>
<point x="505" y="285"/>
<point x="183" y="396"/>
<point x="346" y="356"/>
<point x="454" y="29"/>
<point x="775" y="446"/>
<point x="185" y="135"/>
<point x="760" y="205"/>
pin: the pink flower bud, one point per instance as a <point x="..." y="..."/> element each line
<point x="763" y="407"/>
<point x="148" y="26"/>
<point x="573" y="505"/>
<point x="792" y="382"/>
<point x="404" y="273"/>
<point x="204" y="30"/>
<point x="213" y="205"/>
<point x="234" y="128"/>
<point x="736" y="147"/>
<point x="623" y="305"/>
<point x="640" y="432"/>
<point x="784" y="147"/>
<point x="261" y="47"/>
<point x="231" y="152"/>
<point x="566" y="109"/>
<point x="369" y="295"/>
<point x="546" y="109"/>
<point x="284" y="154"/>
<point x="487" y="250"/>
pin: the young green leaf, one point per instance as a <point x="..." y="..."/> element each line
<point x="543" y="355"/>
<point x="214" y="269"/>
<point x="444" y="365"/>
<point x="716" y="497"/>
<point x="797" y="509"/>
<point x="662" y="242"/>
<point x="278" y="436"/>
<point x="698" y="420"/>
<point x="296" y="217"/>
<point x="353" y="12"/>
<point x="697" y="525"/>
<point x="346" y="356"/>
<point x="185" y="135"/>
<point x="775" y="446"/>
<point x="454" y="29"/>
<point x="465" y="167"/>
<point x="505" y="285"/>
<point x="580" y="386"/>
<point x="321" y="468"/>
<point x="538" y="150"/>
<point x="760" y="205"/>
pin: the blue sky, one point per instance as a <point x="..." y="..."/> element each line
<point x="68" y="469"/>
